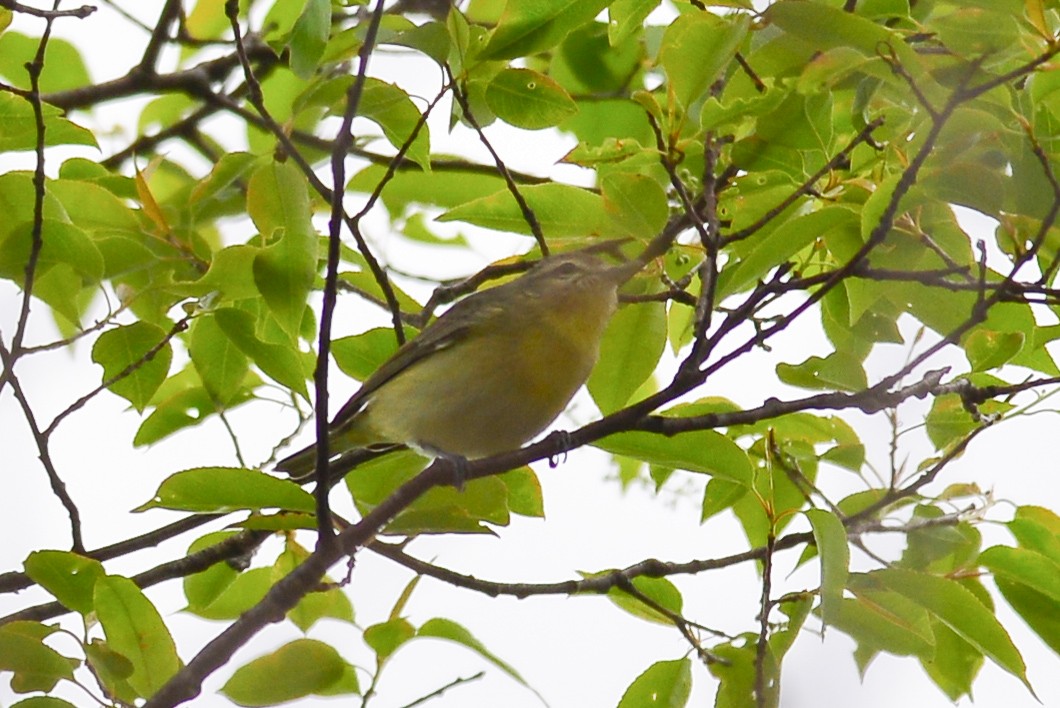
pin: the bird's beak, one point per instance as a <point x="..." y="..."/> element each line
<point x="622" y="272"/>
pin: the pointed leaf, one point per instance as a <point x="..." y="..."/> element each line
<point x="310" y="36"/>
<point x="284" y="273"/>
<point x="636" y="202"/>
<point x="659" y="590"/>
<point x="528" y="99"/>
<point x="35" y="665"/>
<point x="1025" y="567"/>
<point x="224" y="489"/>
<point x="703" y="451"/>
<point x="666" y="684"/>
<point x="831" y="539"/>
<point x="135" y="630"/>
<point x="441" y="628"/>
<point x="962" y="612"/>
<point x="279" y="362"/>
<point x="137" y="353"/>
<point x="629" y="352"/>
<point x="530" y="26"/>
<point x="221" y="366"/>
<point x="697" y="48"/>
<point x="560" y="209"/>
<point x="68" y="576"/>
<point x="295" y="670"/>
<point x="386" y="637"/>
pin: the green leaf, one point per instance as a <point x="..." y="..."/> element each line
<point x="530" y="26"/>
<point x="278" y="198"/>
<point x="636" y="202"/>
<point x="309" y="37"/>
<point x="224" y="489"/>
<point x="431" y="38"/>
<point x="441" y="628"/>
<point x="770" y="248"/>
<point x="64" y="68"/>
<point x="611" y="150"/>
<point x="719" y="495"/>
<point x="68" y="576"/>
<point x="1019" y="565"/>
<point x="1038" y="529"/>
<point x="528" y="99"/>
<point x="885" y="621"/>
<point x="112" y="668"/>
<point x="135" y="630"/>
<point x="524" y="492"/>
<point x="444" y="509"/>
<point x="1040" y="612"/>
<point x="301" y="668"/>
<point x="18" y="126"/>
<point x="794" y="140"/>
<point x="626" y="18"/>
<point x="839" y="370"/>
<point x="393" y="111"/>
<point x="825" y="27"/>
<point x="317" y="605"/>
<point x="63" y="244"/>
<point x="987" y="349"/>
<point x="220" y="363"/>
<point x="284" y="274"/>
<point x="35" y="665"/>
<point x="697" y="48"/>
<point x="948" y="422"/>
<point x="359" y="355"/>
<point x="204" y="587"/>
<point x="180" y="402"/>
<point x="659" y="590"/>
<point x="445" y="189"/>
<point x="954" y="664"/>
<point x="561" y="210"/>
<point x="962" y="612"/>
<point x="587" y="64"/>
<point x="940" y="548"/>
<point x="667" y="684"/>
<point x="796" y="609"/>
<point x="140" y="354"/>
<point x="831" y="539"/>
<point x="629" y="352"/>
<point x="736" y="672"/>
<point x="279" y="362"/>
<point x="386" y="637"/>
<point x="229" y="168"/>
<point x="234" y="597"/>
<point x="704" y="451"/>
<point x="280" y="20"/>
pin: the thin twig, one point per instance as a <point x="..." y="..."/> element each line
<point x="528" y="213"/>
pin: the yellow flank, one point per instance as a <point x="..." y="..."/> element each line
<point x="489" y="374"/>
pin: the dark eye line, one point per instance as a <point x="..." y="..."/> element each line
<point x="568" y="269"/>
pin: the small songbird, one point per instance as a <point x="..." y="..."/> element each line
<point x="489" y="374"/>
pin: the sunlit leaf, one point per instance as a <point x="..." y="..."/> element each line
<point x="217" y="489"/>
<point x="667" y="684"/>
<point x="301" y="668"/>
<point x="135" y="630"/>
<point x="68" y="576"/>
<point x="528" y="99"/>
<point x="135" y="360"/>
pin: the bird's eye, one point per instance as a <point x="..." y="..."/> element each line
<point x="567" y="270"/>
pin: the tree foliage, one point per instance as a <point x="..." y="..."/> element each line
<point x="783" y="168"/>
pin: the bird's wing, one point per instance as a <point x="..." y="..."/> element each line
<point x="452" y="327"/>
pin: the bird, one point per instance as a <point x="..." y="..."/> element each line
<point x="489" y="374"/>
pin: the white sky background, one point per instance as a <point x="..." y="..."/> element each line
<point x="576" y="651"/>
